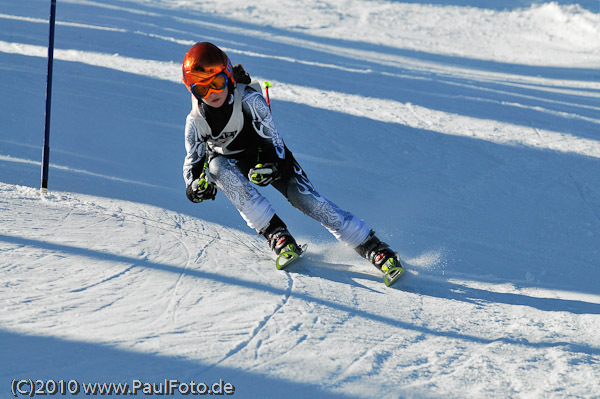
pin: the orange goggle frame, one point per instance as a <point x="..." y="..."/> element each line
<point x="216" y="85"/>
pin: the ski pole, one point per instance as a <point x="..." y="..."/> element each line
<point x="266" y="86"/>
<point x="46" y="147"/>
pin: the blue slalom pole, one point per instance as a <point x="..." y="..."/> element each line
<point x="46" y="149"/>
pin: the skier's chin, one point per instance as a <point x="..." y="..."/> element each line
<point x="215" y="100"/>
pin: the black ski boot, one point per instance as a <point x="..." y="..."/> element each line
<point x="282" y="243"/>
<point x="382" y="257"/>
<point x="278" y="236"/>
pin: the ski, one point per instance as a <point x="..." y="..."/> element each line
<point x="285" y="258"/>
<point x="393" y="271"/>
<point x="392" y="268"/>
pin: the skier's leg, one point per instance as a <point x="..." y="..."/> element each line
<point x="254" y="208"/>
<point x="345" y="226"/>
<point x="300" y="192"/>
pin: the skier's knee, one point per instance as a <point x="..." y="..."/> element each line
<point x="216" y="166"/>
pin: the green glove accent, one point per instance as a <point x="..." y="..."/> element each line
<point x="256" y="178"/>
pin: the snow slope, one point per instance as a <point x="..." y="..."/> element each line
<point x="468" y="137"/>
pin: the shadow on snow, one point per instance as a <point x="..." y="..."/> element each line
<point x="543" y="304"/>
<point x="43" y="358"/>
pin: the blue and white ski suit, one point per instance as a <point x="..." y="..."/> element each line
<point x="241" y="134"/>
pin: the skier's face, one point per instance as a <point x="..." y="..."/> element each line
<point x="216" y="99"/>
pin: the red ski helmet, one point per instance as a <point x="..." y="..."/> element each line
<point x="203" y="62"/>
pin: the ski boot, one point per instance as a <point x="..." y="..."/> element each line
<point x="282" y="243"/>
<point x="382" y="257"/>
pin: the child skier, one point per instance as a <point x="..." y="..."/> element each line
<point x="233" y="145"/>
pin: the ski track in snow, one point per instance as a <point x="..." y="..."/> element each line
<point x="327" y="316"/>
<point x="98" y="288"/>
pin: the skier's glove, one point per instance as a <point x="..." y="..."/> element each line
<point x="240" y="75"/>
<point x="201" y="190"/>
<point x="263" y="175"/>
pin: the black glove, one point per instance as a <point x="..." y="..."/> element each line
<point x="263" y="175"/>
<point x="201" y="190"/>
<point x="240" y="75"/>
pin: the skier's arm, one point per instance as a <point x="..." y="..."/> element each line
<point x="198" y="185"/>
<point x="195" y="157"/>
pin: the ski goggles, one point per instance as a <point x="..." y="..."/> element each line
<point x="216" y="85"/>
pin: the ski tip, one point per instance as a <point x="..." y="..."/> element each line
<point x="285" y="258"/>
<point x="392" y="275"/>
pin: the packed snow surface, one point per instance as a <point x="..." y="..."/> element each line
<point x="467" y="134"/>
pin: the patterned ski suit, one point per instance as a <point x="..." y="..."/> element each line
<point x="241" y="134"/>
